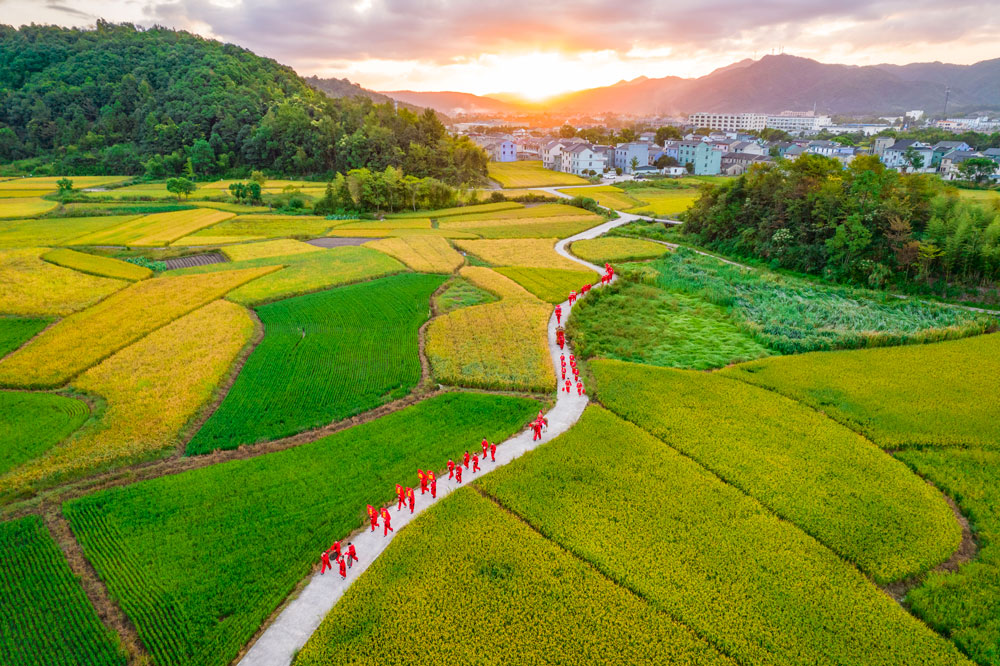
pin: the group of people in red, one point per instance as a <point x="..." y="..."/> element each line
<point x="609" y="275"/>
<point x="576" y="375"/>
<point x="343" y="559"/>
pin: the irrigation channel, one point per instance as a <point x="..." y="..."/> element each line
<point x="293" y="626"/>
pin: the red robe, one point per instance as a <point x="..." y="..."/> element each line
<point x="493" y="452"/>
<point x="325" y="559"/>
<point x="458" y="474"/>
<point x="451" y="469"/>
<point x="351" y="553"/>
<point x="343" y="568"/>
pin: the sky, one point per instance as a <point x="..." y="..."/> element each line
<point x="537" y="48"/>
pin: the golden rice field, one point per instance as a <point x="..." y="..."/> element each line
<point x="18" y="194"/>
<point x="54" y="230"/>
<point x="552" y="285"/>
<point x="530" y="252"/>
<point x="660" y="202"/>
<point x="156" y="230"/>
<point x="15" y="207"/>
<point x="96" y="265"/>
<point x="148" y="401"/>
<point x="255" y="227"/>
<point x="424" y="254"/>
<point x="389" y="232"/>
<point x="483" y="195"/>
<point x="44" y="184"/>
<point x="500" y="345"/>
<point x="550" y="227"/>
<point x="81" y="340"/>
<point x="282" y="247"/>
<point x="31" y="286"/>
<point x="608" y="196"/>
<point x="458" y="210"/>
<point x="390" y="224"/>
<point x="615" y="248"/>
<point x="530" y="174"/>
<point x="520" y="213"/>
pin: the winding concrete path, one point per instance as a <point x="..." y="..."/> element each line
<point x="286" y="635"/>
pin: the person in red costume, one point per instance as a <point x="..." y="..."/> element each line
<point x="451" y="468"/>
<point x="343" y="567"/>
<point x="558" y="314"/>
<point x="493" y="452"/>
<point x="410" y="496"/>
<point x="352" y="555"/>
<point x="386" y="522"/>
<point x="325" y="559"/>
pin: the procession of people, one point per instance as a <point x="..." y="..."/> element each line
<point x="427" y="480"/>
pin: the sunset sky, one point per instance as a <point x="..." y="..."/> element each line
<point x="538" y="48"/>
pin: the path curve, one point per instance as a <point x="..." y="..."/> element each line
<point x="293" y="626"/>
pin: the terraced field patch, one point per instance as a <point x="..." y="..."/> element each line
<point x="17" y="207"/>
<point x="808" y="469"/>
<point x="756" y="587"/>
<point x="46" y="184"/>
<point x="324" y="357"/>
<point x="256" y="227"/>
<point x="530" y="174"/>
<point x="157" y="229"/>
<point x="554" y="608"/>
<point x="660" y="202"/>
<point x="425" y="254"/>
<point x="546" y="210"/>
<point x="525" y="252"/>
<point x="610" y="249"/>
<point x="458" y="210"/>
<point x="148" y="400"/>
<point x="31" y="423"/>
<point x="529" y="227"/>
<point x="283" y="247"/>
<point x="36" y="288"/>
<point x="198" y="560"/>
<point x="940" y="394"/>
<point x="15" y="331"/>
<point x="82" y="340"/>
<point x="608" y="196"/>
<point x="52" y="231"/>
<point x="549" y="284"/>
<point x="96" y="265"/>
<point x="409" y="228"/>
<point x="501" y="345"/>
<point x="36" y="586"/>
<point x="461" y="293"/>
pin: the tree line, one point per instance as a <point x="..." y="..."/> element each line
<point x="165" y="103"/>
<point x="861" y="223"/>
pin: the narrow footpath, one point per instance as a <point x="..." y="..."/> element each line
<point x="288" y="633"/>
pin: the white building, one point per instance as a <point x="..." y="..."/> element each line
<point x="729" y="122"/>
<point x="581" y="159"/>
<point x="798" y="122"/>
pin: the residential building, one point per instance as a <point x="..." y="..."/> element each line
<point x="625" y="152"/>
<point x="734" y="164"/>
<point x="706" y="160"/>
<point x="551" y="151"/>
<point x="829" y="149"/>
<point x="581" y="159"/>
<point x="793" y="152"/>
<point x="729" y="122"/>
<point x="879" y="144"/>
<point x="748" y="147"/>
<point x="895" y="156"/>
<point x="942" y="148"/>
<point x="500" y="149"/>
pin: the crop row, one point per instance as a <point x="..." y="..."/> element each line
<point x="149" y="400"/>
<point x="83" y="339"/>
<point x="198" y="560"/>
<point x="96" y="265"/>
<point x="810" y="470"/>
<point x="45" y="617"/>
<point x="324" y="357"/>
<point x="465" y="562"/>
<point x="756" y="587"/>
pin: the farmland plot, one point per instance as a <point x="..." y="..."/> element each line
<point x="31" y="423"/>
<point x="808" y="469"/>
<point x="756" y="587"/>
<point x="283" y="247"/>
<point x="548" y="210"/>
<point x="198" y="560"/>
<point x="554" y="608"/>
<point x="157" y="229"/>
<point x="530" y="252"/>
<point x="15" y="331"/>
<point x="425" y="254"/>
<point x="18" y="207"/>
<point x="408" y="228"/>
<point x="96" y="265"/>
<point x="530" y="174"/>
<point x="54" y="230"/>
<point x="941" y="394"/>
<point x="32" y="287"/>
<point x="608" y="196"/>
<point x="324" y="357"/>
<point x="461" y="293"/>
<point x="46" y="184"/>
<point x="458" y="210"/>
<point x="615" y="248"/>
<point x="148" y="401"/>
<point x="45" y="617"/>
<point x="81" y="340"/>
<point x="534" y="227"/>
<point x="549" y="284"/>
<point x="260" y="226"/>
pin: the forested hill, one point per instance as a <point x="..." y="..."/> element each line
<point x="123" y="100"/>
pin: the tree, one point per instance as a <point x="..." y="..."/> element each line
<point x="180" y="186"/>
<point x="913" y="158"/>
<point x="65" y="185"/>
<point x="978" y="168"/>
<point x="328" y="204"/>
<point x="666" y="161"/>
<point x="664" y="134"/>
<point x="689" y="167"/>
<point x="567" y="131"/>
<point x="258" y="177"/>
<point x="633" y="164"/>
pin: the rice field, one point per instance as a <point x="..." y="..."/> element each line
<point x="659" y="202"/>
<point x="530" y="174"/>
<point x="391" y="224"/>
<point x="484" y="194"/>
<point x="48" y="232"/>
<point x="460" y="293"/>
<point x="96" y="264"/>
<point x="82" y="340"/>
<point x="610" y="249"/>
<point x="527" y="252"/>
<point x="551" y="285"/>
<point x="324" y="357"/>
<point x="34" y="288"/>
<point x="149" y="402"/>
<point x="45" y="617"/>
<point x="458" y="210"/>
<point x="46" y="184"/>
<point x="545" y="210"/>
<point x="15" y="207"/>
<point x="424" y="254"/>
<point x="282" y="247"/>
<point x="32" y="423"/>
<point x="500" y="345"/>
<point x="15" y="331"/>
<point x="607" y="196"/>
<point x="158" y="229"/>
<point x="255" y="227"/>
<point x="390" y="231"/>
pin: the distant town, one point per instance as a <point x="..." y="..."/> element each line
<point x="727" y="144"/>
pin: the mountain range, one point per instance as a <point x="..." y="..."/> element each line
<point x="771" y="84"/>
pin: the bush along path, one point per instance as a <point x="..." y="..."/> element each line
<point x="293" y="626"/>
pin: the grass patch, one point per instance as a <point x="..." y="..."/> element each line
<point x="425" y="254"/>
<point x="96" y="264"/>
<point x="459" y="294"/>
<point x="808" y="469"/>
<point x="756" y="587"/>
<point x="31" y="423"/>
<point x="549" y="284"/>
<point x="176" y="551"/>
<point x="939" y="394"/>
<point x="45" y="617"/>
<point x="81" y="340"/>
<point x="554" y="608"/>
<point x="614" y="249"/>
<point x="33" y="288"/>
<point x="324" y="357"/>
<point x="530" y="174"/>
<point x="15" y="331"/>
<point x="149" y="401"/>
<point x="630" y="321"/>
